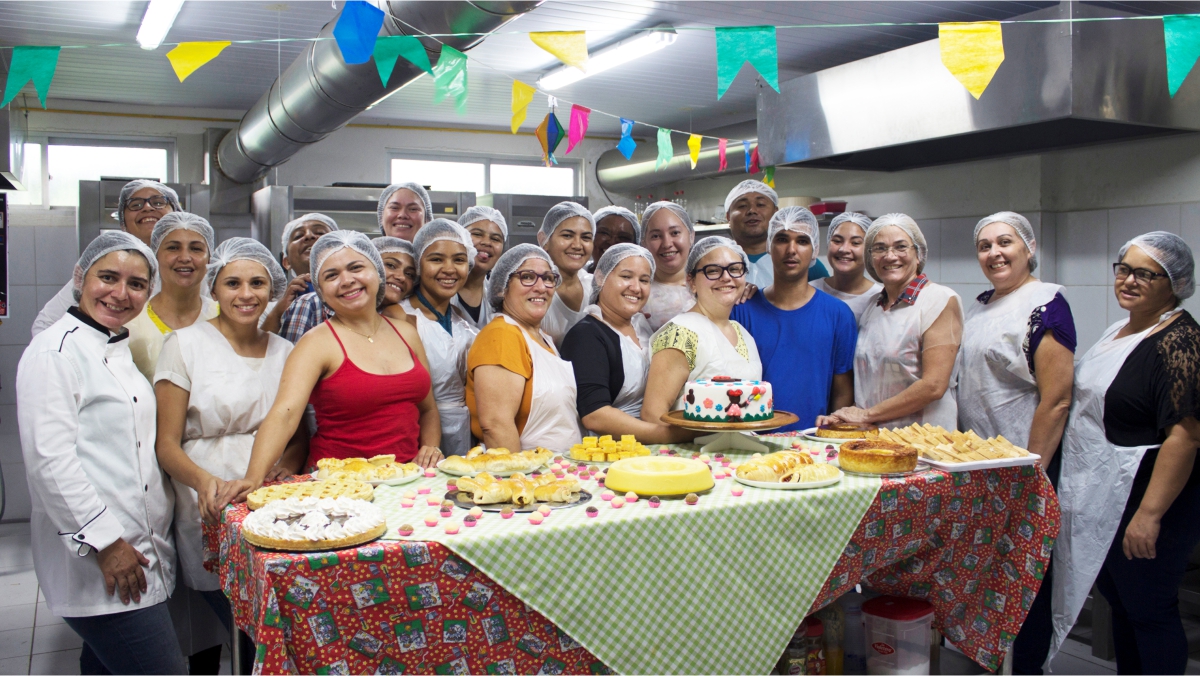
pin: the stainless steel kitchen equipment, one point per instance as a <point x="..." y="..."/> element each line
<point x="524" y="213"/>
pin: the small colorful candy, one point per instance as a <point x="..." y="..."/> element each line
<point x="476" y="512"/>
<point x="506" y="512"/>
<point x="725" y="462"/>
<point x="446" y="513"/>
<point x="663" y="450"/>
<point x="469" y="521"/>
<point x="719" y="456"/>
<point x="410" y="494"/>
<point x="736" y="491"/>
<point x="544" y="510"/>
<point x="447" y="504"/>
<point x="607" y="496"/>
<point x="452" y="528"/>
<point x="430" y="473"/>
<point x="431" y="521"/>
<point x="592" y="469"/>
<point x="719" y="474"/>
<point x="671" y="451"/>
<point x="433" y="501"/>
<point x="406" y="530"/>
<point x="617" y="503"/>
<point x="423" y="490"/>
<point x="536" y="519"/>
<point x="557" y="459"/>
<point x="452" y="483"/>
<point x="692" y="498"/>
<point x="695" y="456"/>
<point x="592" y="512"/>
<point x="600" y="477"/>
<point x="406" y="503"/>
<point x="704" y="458"/>
<point x="631" y="497"/>
<point x="654" y="501"/>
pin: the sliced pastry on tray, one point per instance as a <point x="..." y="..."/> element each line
<point x="496" y="461"/>
<point x="518" y="489"/>
<point x="786" y="467"/>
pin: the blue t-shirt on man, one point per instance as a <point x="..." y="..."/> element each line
<point x="801" y="350"/>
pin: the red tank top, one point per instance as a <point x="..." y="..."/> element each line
<point x="362" y="414"/>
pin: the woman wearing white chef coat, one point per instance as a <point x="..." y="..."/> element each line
<point x="1016" y="367"/>
<point x="444" y="257"/>
<point x="609" y="350"/>
<point x="1130" y="485"/>
<point x="566" y="234"/>
<point x="908" y="340"/>
<point x="101" y="519"/>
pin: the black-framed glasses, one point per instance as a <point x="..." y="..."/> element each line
<point x="137" y="203"/>
<point x="529" y="278"/>
<point x="713" y="272"/>
<point x="1142" y="275"/>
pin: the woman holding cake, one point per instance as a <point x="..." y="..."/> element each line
<point x="668" y="235"/>
<point x="566" y="234"/>
<point x="101" y="520"/>
<point x="366" y="375"/>
<point x="444" y="258"/>
<point x="521" y="394"/>
<point x="848" y="261"/>
<point x="1130" y="485"/>
<point x="702" y="342"/>
<point x="908" y="340"/>
<point x="609" y="349"/>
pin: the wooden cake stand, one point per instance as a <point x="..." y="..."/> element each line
<point x="731" y="436"/>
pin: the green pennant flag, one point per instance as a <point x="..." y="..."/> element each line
<point x="1181" y="33"/>
<point x="739" y="44"/>
<point x="31" y="63"/>
<point x="450" y="77"/>
<point x="387" y="49"/>
<point x="665" y="150"/>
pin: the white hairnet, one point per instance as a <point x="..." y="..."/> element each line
<point x="134" y="186"/>
<point x="613" y="257"/>
<point x="1173" y="254"/>
<point x="416" y="188"/>
<point x="672" y="207"/>
<point x="559" y="213"/>
<point x="333" y="242"/>
<point x="854" y="217"/>
<point x="905" y="223"/>
<point x="628" y="215"/>
<point x="707" y="244"/>
<point x="508" y="263"/>
<point x="246" y="249"/>
<point x="796" y="219"/>
<point x="443" y="229"/>
<point x="394" y="245"/>
<point x="295" y="223"/>
<point x="1018" y="223"/>
<point x="748" y="186"/>
<point x="182" y="220"/>
<point x="481" y="213"/>
<point x="105" y="243"/>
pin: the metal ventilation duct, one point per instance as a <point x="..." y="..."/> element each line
<point x="319" y="92"/>
<point x="1061" y="85"/>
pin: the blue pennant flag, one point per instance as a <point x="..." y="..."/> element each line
<point x="627" y="144"/>
<point x="746" y="154"/>
<point x="356" y="30"/>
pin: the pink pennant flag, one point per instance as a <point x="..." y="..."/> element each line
<point x="579" y="124"/>
<point x="721" y="143"/>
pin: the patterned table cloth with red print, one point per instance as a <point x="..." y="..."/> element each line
<point x="975" y="545"/>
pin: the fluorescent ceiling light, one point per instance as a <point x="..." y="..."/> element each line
<point x="629" y="49"/>
<point x="160" y="14"/>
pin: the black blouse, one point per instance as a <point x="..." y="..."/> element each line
<point x="1157" y="386"/>
<point x="594" y="350"/>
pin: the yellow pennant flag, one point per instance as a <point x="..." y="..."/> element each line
<point x="187" y="57"/>
<point x="972" y="52"/>
<point x="694" y="148"/>
<point x="522" y="95"/>
<point x="570" y="47"/>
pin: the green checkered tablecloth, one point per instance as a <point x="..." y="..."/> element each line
<point x="718" y="587"/>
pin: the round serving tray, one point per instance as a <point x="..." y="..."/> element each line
<point x="779" y="419"/>
<point x="460" y="499"/>
<point x="922" y="466"/>
<point x="781" y="486"/>
<point x="319" y="545"/>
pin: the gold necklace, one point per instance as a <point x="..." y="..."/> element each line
<point x="370" y="338"/>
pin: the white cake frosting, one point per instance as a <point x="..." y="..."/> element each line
<point x="727" y="400"/>
<point x="313" y="519"/>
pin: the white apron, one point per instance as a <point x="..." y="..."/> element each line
<point x="559" y="318"/>
<point x="714" y="355"/>
<point x="448" y="367"/>
<point x="635" y="360"/>
<point x="1096" y="480"/>
<point x="858" y="303"/>
<point x="666" y="302"/>
<point x="227" y="402"/>
<point x="485" y="310"/>
<point x="553" y="422"/>
<point x="887" y="358"/>
<point x="997" y="394"/>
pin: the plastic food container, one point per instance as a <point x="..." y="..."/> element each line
<point x="829" y="207"/>
<point x="898" y="634"/>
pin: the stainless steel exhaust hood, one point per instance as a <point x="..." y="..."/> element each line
<point x="1061" y="85"/>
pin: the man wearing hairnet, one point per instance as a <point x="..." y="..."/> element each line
<point x="749" y="208"/>
<point x="299" y="236"/>
<point x="805" y="337"/>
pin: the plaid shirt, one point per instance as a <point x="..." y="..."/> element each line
<point x="909" y="294"/>
<point x="304" y="314"/>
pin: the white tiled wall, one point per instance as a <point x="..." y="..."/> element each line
<point x="42" y="250"/>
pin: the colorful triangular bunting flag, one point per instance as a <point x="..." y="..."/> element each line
<point x="356" y="30"/>
<point x="1181" y="33"/>
<point x="746" y="154"/>
<point x="627" y="145"/>
<point x="972" y="52"/>
<point x="31" y="63"/>
<point x="187" y="57"/>
<point x="722" y="144"/>
<point x="768" y="175"/>
<point x="694" y="148"/>
<point x="450" y="77"/>
<point x="739" y="44"/>
<point x="579" y="125"/>
<point x="754" y="168"/>
<point x="390" y="47"/>
<point x="570" y="47"/>
<point x="665" y="150"/>
<point x="522" y="96"/>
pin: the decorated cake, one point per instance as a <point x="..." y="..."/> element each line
<point x="658" y="475"/>
<point x="314" y="523"/>
<point x="722" y="399"/>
